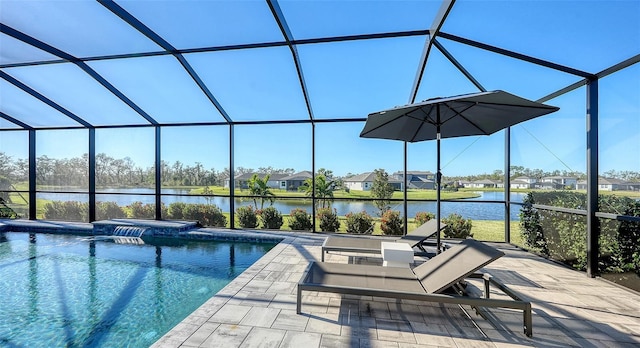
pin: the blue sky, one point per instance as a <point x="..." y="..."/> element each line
<point x="344" y="80"/>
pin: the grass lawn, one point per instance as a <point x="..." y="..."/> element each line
<point x="352" y="194"/>
<point x="485" y="230"/>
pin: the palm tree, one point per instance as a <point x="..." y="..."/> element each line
<point x="258" y="188"/>
<point x="324" y="190"/>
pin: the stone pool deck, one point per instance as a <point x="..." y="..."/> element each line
<point x="258" y="308"/>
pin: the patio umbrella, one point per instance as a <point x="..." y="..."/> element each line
<point x="481" y="113"/>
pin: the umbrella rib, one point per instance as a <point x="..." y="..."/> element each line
<point x="382" y="124"/>
<point x="422" y="122"/>
<point x="459" y="114"/>
<point x="428" y="120"/>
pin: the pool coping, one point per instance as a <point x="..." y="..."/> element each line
<point x="195" y="233"/>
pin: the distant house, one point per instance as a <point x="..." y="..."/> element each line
<point x="522" y="182"/>
<point x="486" y="183"/>
<point x="412" y="175"/>
<point x="608" y="184"/>
<point x="528" y="179"/>
<point x="364" y="182"/>
<point x="294" y="181"/>
<point x="423" y="184"/>
<point x="559" y="182"/>
<point x="519" y="184"/>
<point x="464" y="183"/>
<point x="611" y="184"/>
<point x="242" y="180"/>
<point x="360" y="182"/>
<point x="417" y="179"/>
<point x="633" y="186"/>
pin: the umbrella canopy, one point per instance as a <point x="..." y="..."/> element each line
<point x="469" y="114"/>
<point x="481" y="113"/>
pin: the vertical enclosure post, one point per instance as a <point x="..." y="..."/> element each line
<point x="507" y="185"/>
<point x="593" y="226"/>
<point x="313" y="176"/>
<point x="32" y="174"/>
<point x="232" y="182"/>
<point x="158" y="176"/>
<point x="92" y="174"/>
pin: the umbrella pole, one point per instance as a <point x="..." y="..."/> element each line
<point x="438" y="182"/>
<point x="438" y="179"/>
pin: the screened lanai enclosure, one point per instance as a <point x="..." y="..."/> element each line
<point x="198" y="110"/>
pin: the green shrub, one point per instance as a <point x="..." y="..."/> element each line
<point x="329" y="221"/>
<point x="142" y="211"/>
<point x="392" y="223"/>
<point x="193" y="212"/>
<point x="109" y="210"/>
<point x="629" y="240"/>
<point x="247" y="217"/>
<point x="423" y="216"/>
<point x="271" y="218"/>
<point x="566" y="237"/>
<point x="457" y="226"/>
<point x="530" y="226"/>
<point x="5" y="211"/>
<point x="205" y="214"/>
<point x="176" y="210"/>
<point x="216" y="217"/>
<point x="562" y="236"/>
<point x="359" y="223"/>
<point x="69" y="211"/>
<point x="300" y="220"/>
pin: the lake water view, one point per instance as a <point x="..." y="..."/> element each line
<point x="468" y="209"/>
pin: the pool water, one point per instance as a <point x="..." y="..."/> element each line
<point x="67" y="291"/>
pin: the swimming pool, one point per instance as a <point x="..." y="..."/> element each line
<point x="67" y="291"/>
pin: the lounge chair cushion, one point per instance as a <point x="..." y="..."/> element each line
<point x="364" y="276"/>
<point x="415" y="238"/>
<point x="459" y="261"/>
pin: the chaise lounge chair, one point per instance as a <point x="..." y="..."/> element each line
<point x="415" y="238"/>
<point x="423" y="283"/>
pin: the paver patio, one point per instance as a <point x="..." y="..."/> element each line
<point x="257" y="309"/>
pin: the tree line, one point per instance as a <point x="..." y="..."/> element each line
<point x="517" y="171"/>
<point x="112" y="171"/>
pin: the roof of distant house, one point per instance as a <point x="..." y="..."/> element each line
<point x="414" y="172"/>
<point x="606" y="181"/>
<point x="419" y="179"/>
<point x="523" y="177"/>
<point x="485" y="181"/>
<point x="303" y="175"/>
<point x="274" y="176"/>
<point x="369" y="176"/>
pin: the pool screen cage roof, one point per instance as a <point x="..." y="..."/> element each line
<point x="108" y="64"/>
<point x="96" y="64"/>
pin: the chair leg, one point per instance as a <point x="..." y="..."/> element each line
<point x="299" y="303"/>
<point x="528" y="321"/>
